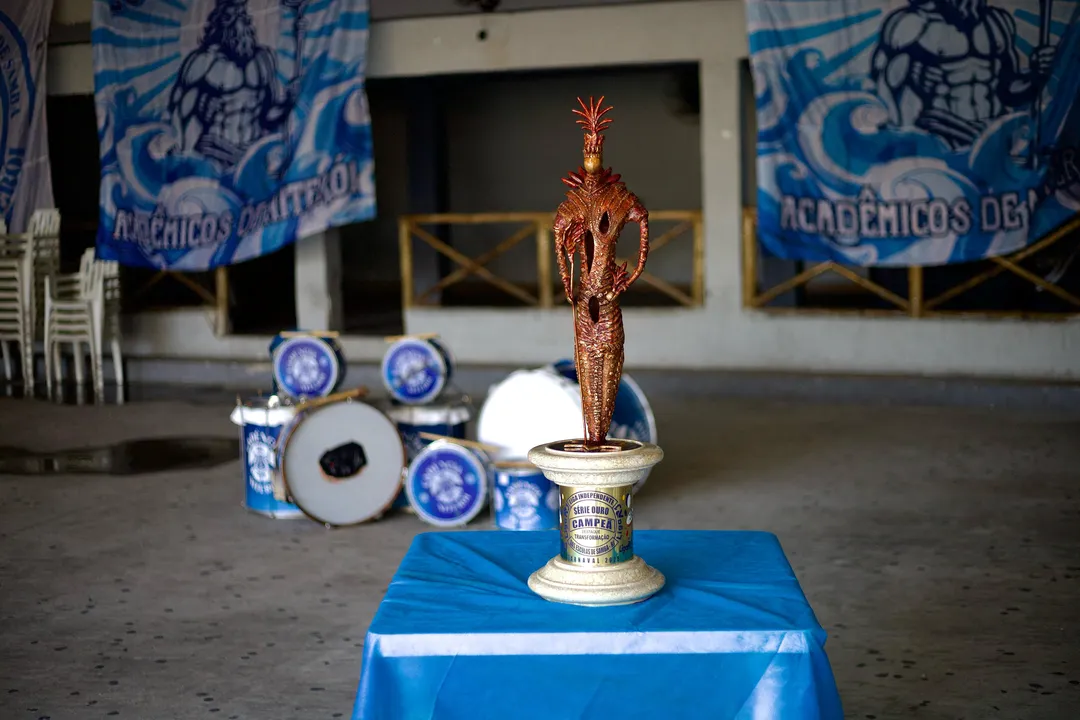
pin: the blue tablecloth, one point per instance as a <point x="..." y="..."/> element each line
<point x="460" y="635"/>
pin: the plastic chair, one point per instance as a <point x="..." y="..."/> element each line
<point x="43" y="232"/>
<point x="14" y="325"/>
<point x="15" y="318"/>
<point x="74" y="314"/>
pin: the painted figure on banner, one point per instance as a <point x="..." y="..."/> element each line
<point x="229" y="128"/>
<point x="913" y="133"/>
<point x="588" y="223"/>
<point x="227" y="94"/>
<point x="951" y="67"/>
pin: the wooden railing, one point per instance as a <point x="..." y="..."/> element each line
<point x="916" y="304"/>
<point x="218" y="300"/>
<point x="538" y="227"/>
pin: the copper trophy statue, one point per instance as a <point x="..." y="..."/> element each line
<point x="596" y="564"/>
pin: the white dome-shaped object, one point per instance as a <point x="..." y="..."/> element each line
<point x="536" y="407"/>
<point x="529" y="408"/>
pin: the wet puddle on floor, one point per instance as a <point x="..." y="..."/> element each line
<point x="132" y="457"/>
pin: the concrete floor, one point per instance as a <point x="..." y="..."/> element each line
<point x="940" y="548"/>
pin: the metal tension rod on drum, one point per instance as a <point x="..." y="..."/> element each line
<point x="310" y="333"/>
<point x="421" y="336"/>
<point x="459" y="441"/>
<point x="336" y="397"/>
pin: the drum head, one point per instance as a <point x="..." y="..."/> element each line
<point x="342" y="463"/>
<point x="530" y="408"/>
<point x="447" y="484"/>
<point x="306" y="367"/>
<point x="414" y="371"/>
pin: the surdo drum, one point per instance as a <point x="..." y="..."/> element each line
<point x="522" y="498"/>
<point x="444" y="419"/>
<point x="415" y="370"/>
<point x="261" y="420"/>
<point x="306" y="366"/>
<point x="342" y="462"/>
<point x="449" y="420"/>
<point x="447" y="483"/>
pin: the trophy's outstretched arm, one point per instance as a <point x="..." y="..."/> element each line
<point x="639" y="215"/>
<point x="564" y="248"/>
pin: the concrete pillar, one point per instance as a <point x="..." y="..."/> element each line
<point x="318" y="281"/>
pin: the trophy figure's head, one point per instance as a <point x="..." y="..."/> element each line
<point x="594" y="123"/>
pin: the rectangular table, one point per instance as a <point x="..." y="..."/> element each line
<point x="460" y="635"/>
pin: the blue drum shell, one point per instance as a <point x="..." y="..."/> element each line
<point x="306" y="365"/>
<point x="447" y="484"/>
<point x="449" y="420"/>
<point x="524" y="499"/>
<point x="260" y="429"/>
<point x="430" y="364"/>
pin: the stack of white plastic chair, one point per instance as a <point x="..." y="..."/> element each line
<point x="74" y="314"/>
<point x="15" y="317"/>
<point x="36" y="254"/>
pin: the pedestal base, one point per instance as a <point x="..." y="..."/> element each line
<point x="623" y="583"/>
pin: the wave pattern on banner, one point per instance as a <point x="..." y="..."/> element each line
<point x="229" y="128"/>
<point x="914" y="133"/>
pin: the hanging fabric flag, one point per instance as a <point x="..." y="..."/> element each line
<point x="228" y="128"/>
<point x="25" y="176"/>
<point x="914" y="132"/>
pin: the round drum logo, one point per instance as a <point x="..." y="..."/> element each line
<point x="596" y="526"/>
<point x="414" y="371"/>
<point x="306" y="366"/>
<point x="410" y="373"/>
<point x="445" y="486"/>
<point x="260" y="461"/>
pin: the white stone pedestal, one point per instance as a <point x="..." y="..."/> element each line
<point x="596" y="565"/>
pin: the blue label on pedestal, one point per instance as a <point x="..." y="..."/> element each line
<point x="306" y="367"/>
<point x="415" y="371"/>
<point x="525" y="500"/>
<point x="596" y="526"/>
<point x="447" y="484"/>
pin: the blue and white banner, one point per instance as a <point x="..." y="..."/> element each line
<point x="229" y="128"/>
<point x="914" y="132"/>
<point x="25" y="176"/>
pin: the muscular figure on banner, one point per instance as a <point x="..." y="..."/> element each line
<point x="950" y="67"/>
<point x="227" y="95"/>
<point x="589" y="221"/>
